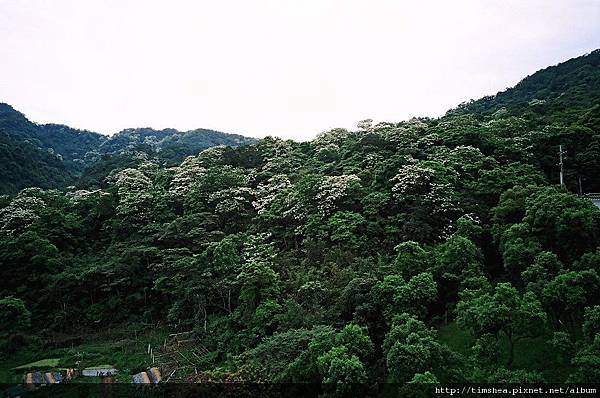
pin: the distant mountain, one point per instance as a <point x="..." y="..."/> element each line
<point x="171" y="146"/>
<point x="54" y="155"/>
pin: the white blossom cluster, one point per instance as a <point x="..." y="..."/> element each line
<point x="295" y="210"/>
<point x="334" y="136"/>
<point x="186" y="175"/>
<point x="450" y="228"/>
<point x="231" y="200"/>
<point x="332" y="189"/>
<point x="411" y="179"/>
<point x="428" y="141"/>
<point x="20" y="214"/>
<point x="468" y="153"/>
<point x="441" y="198"/>
<point x="536" y="101"/>
<point x="83" y="195"/>
<point x="128" y="180"/>
<point x="139" y="155"/>
<point x="134" y="189"/>
<point x="371" y="160"/>
<point x="279" y="158"/>
<point x="212" y="154"/>
<point x="330" y="148"/>
<point x="257" y="250"/>
<point x="462" y="158"/>
<point x="266" y="192"/>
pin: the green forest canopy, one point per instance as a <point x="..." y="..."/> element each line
<point x="359" y="256"/>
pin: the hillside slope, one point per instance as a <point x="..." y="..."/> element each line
<point x="429" y="250"/>
<point x="559" y="93"/>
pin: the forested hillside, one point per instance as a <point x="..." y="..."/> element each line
<point x="429" y="250"/>
<point x="55" y="156"/>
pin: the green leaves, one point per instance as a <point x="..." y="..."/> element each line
<point x="410" y="347"/>
<point x="569" y="293"/>
<point x="397" y="296"/>
<point x="501" y="310"/>
<point x="14" y="317"/>
<point x="274" y="254"/>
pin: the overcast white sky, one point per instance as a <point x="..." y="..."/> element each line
<point x="285" y="68"/>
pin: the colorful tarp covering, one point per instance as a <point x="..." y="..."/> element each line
<point x="42" y="378"/>
<point x="151" y="376"/>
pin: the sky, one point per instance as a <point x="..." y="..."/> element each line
<point x="285" y="68"/>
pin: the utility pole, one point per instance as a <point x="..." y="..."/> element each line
<point x="560" y="156"/>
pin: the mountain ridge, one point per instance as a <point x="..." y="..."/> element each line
<point x="58" y="153"/>
<point x="564" y="94"/>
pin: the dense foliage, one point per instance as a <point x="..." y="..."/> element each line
<point x="342" y="259"/>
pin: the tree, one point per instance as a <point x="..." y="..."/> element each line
<point x="410" y="348"/>
<point x="136" y="199"/>
<point x="519" y="249"/>
<point x="456" y="257"/>
<point x="564" y="223"/>
<point x="14" y="317"/>
<point x="396" y="296"/>
<point x="341" y="370"/>
<point x="544" y="268"/>
<point x="567" y="295"/>
<point x="258" y="282"/>
<point x="411" y="259"/>
<point x="356" y="340"/>
<point x="346" y="228"/>
<point x="587" y="363"/>
<point x="15" y="320"/>
<point x="457" y="261"/>
<point x="563" y="345"/>
<point x="501" y="311"/>
<point x="518" y="376"/>
<point x="591" y="322"/>
<point x="424" y="378"/>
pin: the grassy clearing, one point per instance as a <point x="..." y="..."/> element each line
<point x="127" y="353"/>
<point x="41" y="364"/>
<point x="455" y="338"/>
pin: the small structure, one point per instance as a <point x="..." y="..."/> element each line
<point x="141" y="378"/>
<point x="99" y="371"/>
<point x="151" y="376"/>
<point x="155" y="375"/>
<point x="594" y="197"/>
<point x="41" y="378"/>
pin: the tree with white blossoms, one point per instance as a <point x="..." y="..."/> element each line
<point x="21" y="212"/>
<point x="412" y="179"/>
<point x="267" y="191"/>
<point x="366" y="124"/>
<point x="333" y="189"/>
<point x="186" y="175"/>
<point x="405" y="135"/>
<point x="278" y="156"/>
<point x="84" y="195"/>
<point x="223" y="190"/>
<point x="212" y="156"/>
<point x="232" y="202"/>
<point x="427" y="193"/>
<point x="432" y="182"/>
<point x="328" y="152"/>
<point x="335" y="136"/>
<point x="134" y="189"/>
<point x="257" y="279"/>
